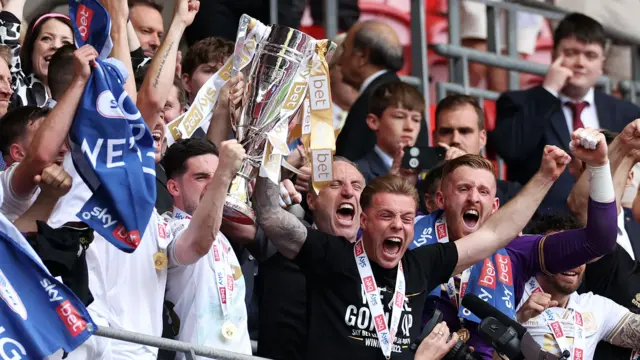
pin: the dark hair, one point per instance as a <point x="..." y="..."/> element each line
<point x="456" y="101"/>
<point x="396" y="94"/>
<point x="149" y="3"/>
<point x="211" y="49"/>
<point x="30" y="37"/>
<point x="381" y="53"/>
<point x="429" y="185"/>
<point x="175" y="159"/>
<point x="552" y="222"/>
<point x="60" y="71"/>
<point x="389" y="184"/>
<point x="583" y="28"/>
<point x="14" y="124"/>
<point x="182" y="93"/>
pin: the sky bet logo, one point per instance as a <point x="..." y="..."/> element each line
<point x="83" y="21"/>
<point x="66" y="311"/>
<point x="102" y="215"/>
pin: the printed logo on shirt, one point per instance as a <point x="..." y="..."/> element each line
<point x="10" y="296"/>
<point x="441" y="230"/>
<point x="557" y="329"/>
<point x="369" y="285"/>
<point x="162" y="230"/>
<point x="504" y="269"/>
<point x="488" y="275"/>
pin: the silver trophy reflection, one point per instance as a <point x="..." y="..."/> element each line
<point x="274" y="67"/>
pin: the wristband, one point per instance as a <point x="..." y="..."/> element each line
<point x="601" y="184"/>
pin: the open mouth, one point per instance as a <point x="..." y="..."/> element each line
<point x="157" y="139"/>
<point x="570" y="273"/>
<point x="346" y="213"/>
<point x="471" y="218"/>
<point x="392" y="245"/>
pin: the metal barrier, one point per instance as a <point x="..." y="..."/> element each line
<point x="190" y="350"/>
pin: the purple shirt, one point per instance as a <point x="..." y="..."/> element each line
<point x="534" y="254"/>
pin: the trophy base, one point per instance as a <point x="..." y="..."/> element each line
<point x="238" y="212"/>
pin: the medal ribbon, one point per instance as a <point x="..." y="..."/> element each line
<point x="386" y="335"/>
<point x="555" y="325"/>
<point x="221" y="266"/>
<point x="635" y="355"/>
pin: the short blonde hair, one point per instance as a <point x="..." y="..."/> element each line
<point x="390" y="184"/>
<point x="469" y="160"/>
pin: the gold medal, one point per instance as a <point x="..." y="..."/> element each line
<point x="160" y="260"/>
<point x="464" y="335"/>
<point x="228" y="330"/>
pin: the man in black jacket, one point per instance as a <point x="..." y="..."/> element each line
<point x="546" y="115"/>
<point x="372" y="54"/>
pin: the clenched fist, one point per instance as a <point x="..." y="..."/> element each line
<point x="231" y="156"/>
<point x="54" y="181"/>
<point x="288" y="194"/>
<point x="554" y="161"/>
<point x="534" y="306"/>
<point x="629" y="137"/>
<point x="589" y="146"/>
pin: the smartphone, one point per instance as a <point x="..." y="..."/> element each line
<point x="422" y="157"/>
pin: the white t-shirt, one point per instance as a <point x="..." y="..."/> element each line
<point x="603" y="318"/>
<point x="128" y="291"/>
<point x="193" y="291"/>
<point x="13" y="206"/>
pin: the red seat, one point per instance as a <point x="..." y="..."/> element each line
<point x="489" y="115"/>
<point x="313" y="30"/>
<point x="437" y="7"/>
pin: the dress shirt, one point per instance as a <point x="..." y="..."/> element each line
<point x="370" y="79"/>
<point x="589" y="115"/>
<point x="386" y="159"/>
<point x="623" y="238"/>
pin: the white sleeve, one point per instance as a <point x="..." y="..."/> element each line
<point x="175" y="229"/>
<point x="12" y="205"/>
<point x="611" y="316"/>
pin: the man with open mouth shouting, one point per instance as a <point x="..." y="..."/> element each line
<point x="467" y="200"/>
<point x="364" y="296"/>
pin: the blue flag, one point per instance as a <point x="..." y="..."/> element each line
<point x="111" y="147"/>
<point x="39" y="315"/>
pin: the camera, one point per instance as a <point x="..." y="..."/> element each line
<point x="459" y="351"/>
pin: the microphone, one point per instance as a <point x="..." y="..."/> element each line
<point x="481" y="309"/>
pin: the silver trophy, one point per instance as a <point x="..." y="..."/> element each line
<point x="275" y="67"/>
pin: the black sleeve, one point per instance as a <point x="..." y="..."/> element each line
<point x="437" y="261"/>
<point x="521" y="119"/>
<point x="323" y="254"/>
<point x="599" y="274"/>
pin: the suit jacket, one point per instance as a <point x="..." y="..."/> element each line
<point x="633" y="231"/>
<point x="356" y="139"/>
<point x="372" y="166"/>
<point x="528" y="120"/>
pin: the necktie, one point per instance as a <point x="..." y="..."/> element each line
<point x="576" y="109"/>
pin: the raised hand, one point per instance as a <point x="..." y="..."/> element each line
<point x="302" y="180"/>
<point x="231" y="156"/>
<point x="557" y="75"/>
<point x="54" y="181"/>
<point x="554" y="161"/>
<point x="396" y="167"/>
<point x="186" y="10"/>
<point x="83" y="60"/>
<point x="629" y="137"/>
<point x="590" y="146"/>
<point x="534" y="306"/>
<point x="288" y="194"/>
<point x="117" y="9"/>
<point x="452" y="151"/>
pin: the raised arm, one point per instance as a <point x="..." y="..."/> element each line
<point x="230" y="98"/>
<point x="508" y="221"/>
<point x="119" y="13"/>
<point x="284" y="230"/>
<point x="16" y="7"/>
<point x="196" y="241"/>
<point x="54" y="183"/>
<point x="153" y="93"/>
<point x="629" y="334"/>
<point x="52" y="134"/>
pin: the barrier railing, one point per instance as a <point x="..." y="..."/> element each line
<point x="190" y="350"/>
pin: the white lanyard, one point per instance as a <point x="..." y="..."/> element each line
<point x="442" y="234"/>
<point x="557" y="330"/>
<point x="221" y="266"/>
<point x="385" y="335"/>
